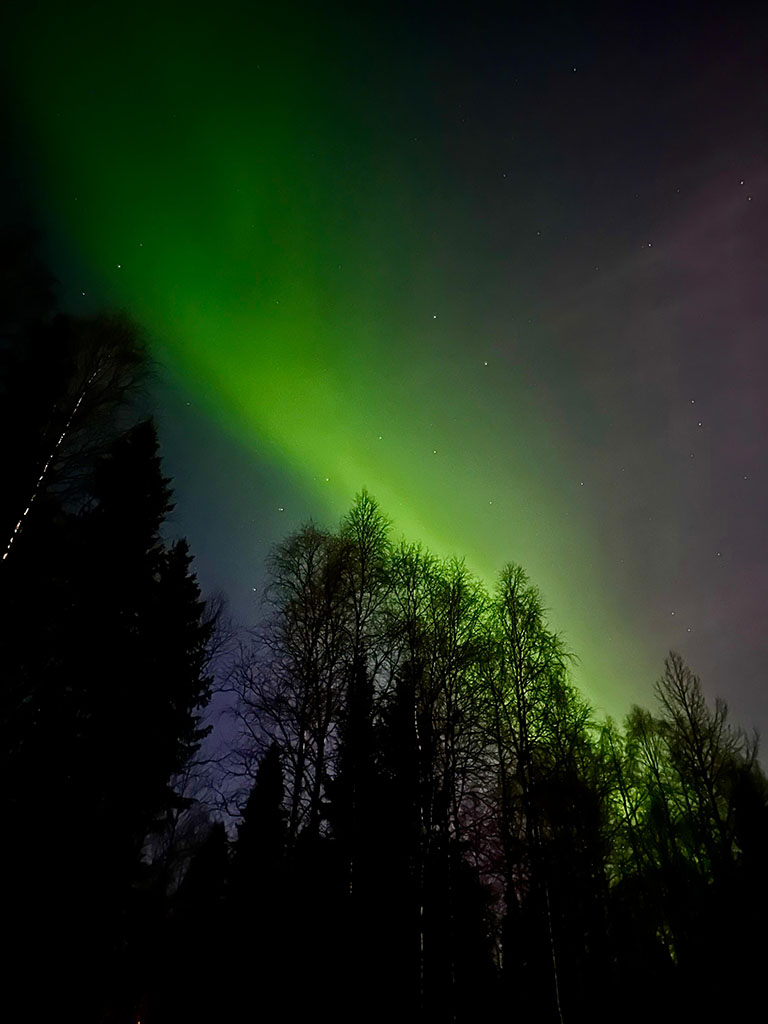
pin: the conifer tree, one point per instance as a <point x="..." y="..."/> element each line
<point x="104" y="650"/>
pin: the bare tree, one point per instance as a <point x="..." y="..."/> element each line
<point x="527" y="694"/>
<point x="96" y="367"/>
<point x="290" y="681"/>
<point x="704" y="751"/>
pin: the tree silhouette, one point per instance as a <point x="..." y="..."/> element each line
<point x="66" y="382"/>
<point x="105" y="652"/>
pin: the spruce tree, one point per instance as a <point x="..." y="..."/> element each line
<point x="104" y="652"/>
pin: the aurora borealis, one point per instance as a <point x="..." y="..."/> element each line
<point x="506" y="271"/>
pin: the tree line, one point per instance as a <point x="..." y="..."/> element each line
<point x="429" y="821"/>
<point x="468" y="839"/>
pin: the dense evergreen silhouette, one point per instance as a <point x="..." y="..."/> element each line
<point x="104" y="653"/>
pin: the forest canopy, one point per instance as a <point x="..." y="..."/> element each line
<point x="429" y="819"/>
<point x="458" y="818"/>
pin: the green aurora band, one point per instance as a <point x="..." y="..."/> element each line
<point x="258" y="195"/>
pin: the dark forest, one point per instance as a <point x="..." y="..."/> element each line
<point x="417" y="816"/>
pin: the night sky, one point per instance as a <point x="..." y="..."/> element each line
<point x="503" y="265"/>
